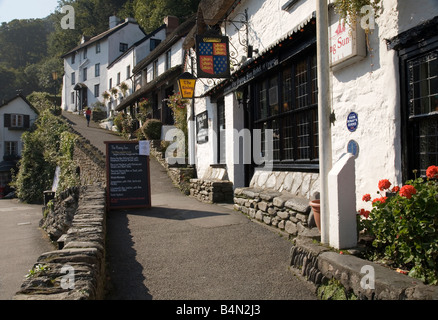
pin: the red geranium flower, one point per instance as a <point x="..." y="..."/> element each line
<point x="407" y="191"/>
<point x="381" y="200"/>
<point x="364" y="213"/>
<point x="395" y="189"/>
<point x="366" y="197"/>
<point x="384" y="184"/>
<point x="432" y="172"/>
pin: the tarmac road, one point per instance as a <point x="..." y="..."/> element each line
<point x="21" y="243"/>
<point x="182" y="249"/>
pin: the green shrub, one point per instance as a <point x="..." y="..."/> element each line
<point x="405" y="226"/>
<point x="44" y="148"/>
<point x="152" y="129"/>
<point x="118" y="121"/>
<point x="43" y="100"/>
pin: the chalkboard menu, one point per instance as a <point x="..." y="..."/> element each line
<point x="128" y="176"/>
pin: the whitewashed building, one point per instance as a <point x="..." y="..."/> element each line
<point x="384" y="95"/>
<point x="85" y="66"/>
<point x="155" y="76"/>
<point x="17" y="115"/>
<point x="121" y="70"/>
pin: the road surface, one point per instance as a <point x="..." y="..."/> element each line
<point x="21" y="243"/>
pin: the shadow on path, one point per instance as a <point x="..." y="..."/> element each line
<point x="126" y="274"/>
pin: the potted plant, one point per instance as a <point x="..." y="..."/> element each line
<point x="350" y="10"/>
<point x="403" y="227"/>
<point x="316" y="208"/>
<point x="114" y="92"/>
<point x="124" y="88"/>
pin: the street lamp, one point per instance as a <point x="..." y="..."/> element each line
<point x="186" y="84"/>
<point x="239" y="96"/>
<point x="55" y="77"/>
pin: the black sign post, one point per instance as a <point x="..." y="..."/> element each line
<point x="128" y="176"/>
<point x="202" y="127"/>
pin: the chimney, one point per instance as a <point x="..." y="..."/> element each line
<point x="129" y="19"/>
<point x="172" y="23"/>
<point x="113" y="21"/>
<point x="84" y="38"/>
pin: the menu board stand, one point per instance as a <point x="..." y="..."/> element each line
<point x="128" y="176"/>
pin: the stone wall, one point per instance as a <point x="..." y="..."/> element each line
<point x="302" y="184"/>
<point x="179" y="174"/>
<point x="214" y="187"/>
<point x="90" y="161"/>
<point x="80" y="259"/>
<point x="57" y="220"/>
<point x="282" y="210"/>
<point x="318" y="263"/>
<point x="211" y="191"/>
<point x="280" y="199"/>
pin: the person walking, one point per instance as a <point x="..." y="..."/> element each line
<point x="88" y="116"/>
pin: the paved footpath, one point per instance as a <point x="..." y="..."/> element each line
<point x="21" y="243"/>
<point x="182" y="249"/>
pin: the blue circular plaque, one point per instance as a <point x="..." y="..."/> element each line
<point x="353" y="148"/>
<point x="352" y="121"/>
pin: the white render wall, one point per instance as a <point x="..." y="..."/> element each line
<point x="120" y="67"/>
<point x="371" y="89"/>
<point x="110" y="50"/>
<point x="17" y="106"/>
<point x="267" y="22"/>
<point x="144" y="49"/>
<point x="77" y="67"/>
<point x="205" y="153"/>
<point x="177" y="55"/>
<point x="130" y="34"/>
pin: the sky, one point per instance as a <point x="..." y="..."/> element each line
<point x="26" y="9"/>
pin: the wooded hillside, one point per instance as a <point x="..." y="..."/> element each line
<point x="30" y="49"/>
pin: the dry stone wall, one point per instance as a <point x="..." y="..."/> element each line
<point x="280" y="199"/>
<point x="77" y="270"/>
<point x="179" y="174"/>
<point x="90" y="162"/>
<point x="365" y="279"/>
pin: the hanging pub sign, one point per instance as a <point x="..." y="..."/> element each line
<point x="212" y="53"/>
<point x="347" y="43"/>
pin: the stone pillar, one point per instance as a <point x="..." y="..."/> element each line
<point x="342" y="195"/>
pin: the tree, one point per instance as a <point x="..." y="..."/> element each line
<point x="150" y="13"/>
<point x="23" y="42"/>
<point x="7" y="83"/>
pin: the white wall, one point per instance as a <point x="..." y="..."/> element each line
<point x="92" y="59"/>
<point x="177" y="54"/>
<point x="130" y="34"/>
<point x="371" y="89"/>
<point x="17" y="106"/>
<point x="144" y="49"/>
<point x="120" y="67"/>
<point x="110" y="50"/>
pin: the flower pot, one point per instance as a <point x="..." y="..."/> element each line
<point x="315" y="204"/>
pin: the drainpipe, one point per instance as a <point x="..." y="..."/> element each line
<point x="324" y="125"/>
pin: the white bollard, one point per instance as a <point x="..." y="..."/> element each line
<point x="342" y="195"/>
